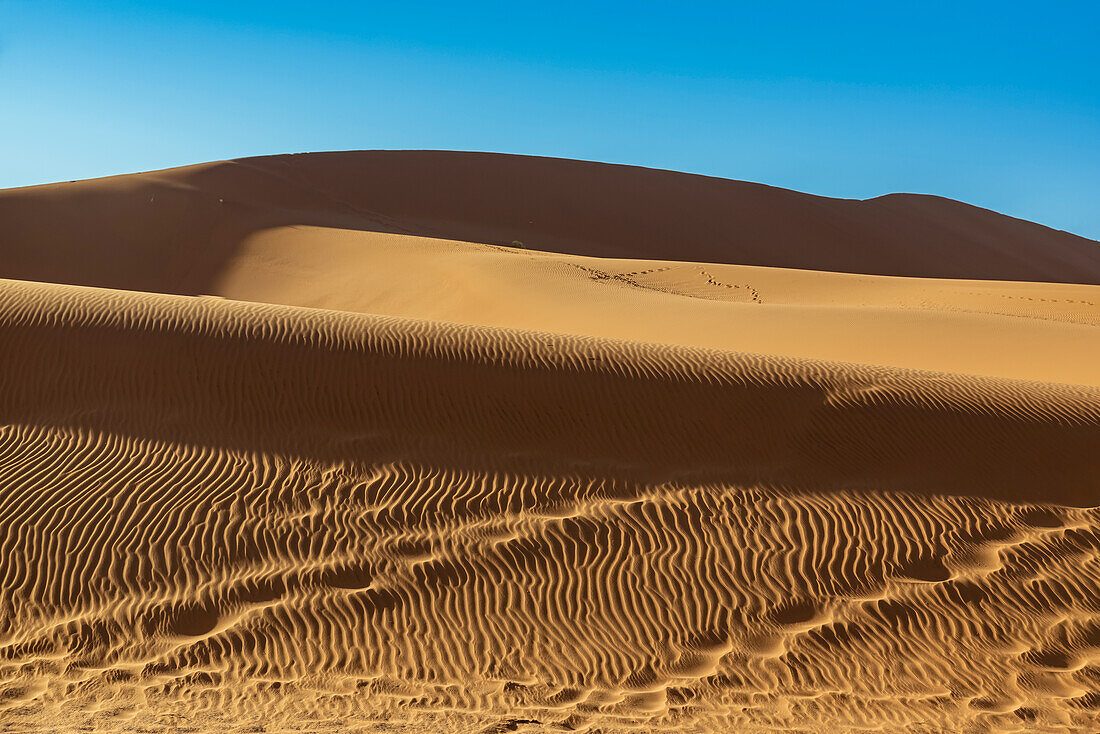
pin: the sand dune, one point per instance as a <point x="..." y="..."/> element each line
<point x="171" y="231"/>
<point x="214" y="508"/>
<point x="388" y="482"/>
<point x="1035" y="331"/>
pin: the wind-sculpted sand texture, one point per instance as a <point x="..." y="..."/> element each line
<point x="226" y="516"/>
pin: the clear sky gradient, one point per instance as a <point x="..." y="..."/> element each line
<point x="993" y="103"/>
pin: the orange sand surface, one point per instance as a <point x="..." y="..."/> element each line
<point x="453" y="442"/>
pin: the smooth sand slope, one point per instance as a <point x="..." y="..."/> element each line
<point x="251" y="230"/>
<point x="171" y="231"/>
<point x="394" y="483"/>
<point x="1035" y="331"/>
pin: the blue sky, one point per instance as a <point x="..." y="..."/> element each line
<point x="994" y="103"/>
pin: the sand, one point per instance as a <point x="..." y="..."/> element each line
<point x="171" y="231"/>
<point x="317" y="476"/>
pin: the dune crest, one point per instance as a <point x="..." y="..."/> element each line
<point x="172" y="230"/>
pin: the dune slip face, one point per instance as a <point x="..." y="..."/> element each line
<point x="228" y="516"/>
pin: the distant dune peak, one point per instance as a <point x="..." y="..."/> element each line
<point x="176" y="226"/>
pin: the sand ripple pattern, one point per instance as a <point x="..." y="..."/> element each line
<point x="251" y="517"/>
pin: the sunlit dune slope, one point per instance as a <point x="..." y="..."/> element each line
<point x="172" y="231"/>
<point x="1038" y="331"/>
<point x="229" y="516"/>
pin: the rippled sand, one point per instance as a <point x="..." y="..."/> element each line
<point x="368" y="503"/>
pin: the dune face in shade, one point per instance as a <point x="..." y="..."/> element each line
<point x="400" y="476"/>
<point x="172" y="230"/>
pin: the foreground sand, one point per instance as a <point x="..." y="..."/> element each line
<point x="222" y="515"/>
<point x="385" y="482"/>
